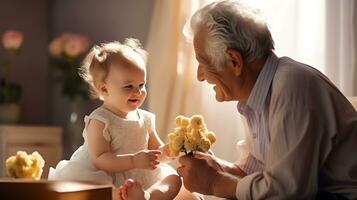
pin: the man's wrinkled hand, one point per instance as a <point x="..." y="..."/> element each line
<point x="198" y="175"/>
<point x="210" y="159"/>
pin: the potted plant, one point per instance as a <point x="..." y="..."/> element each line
<point x="67" y="52"/>
<point x="10" y="92"/>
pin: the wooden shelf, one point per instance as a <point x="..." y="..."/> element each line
<point x="44" y="139"/>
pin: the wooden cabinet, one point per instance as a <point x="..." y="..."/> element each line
<point x="46" y="140"/>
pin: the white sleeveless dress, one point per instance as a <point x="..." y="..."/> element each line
<point x="125" y="136"/>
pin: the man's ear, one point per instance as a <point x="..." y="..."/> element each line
<point x="235" y="61"/>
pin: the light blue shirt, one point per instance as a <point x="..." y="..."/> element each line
<point x="255" y="110"/>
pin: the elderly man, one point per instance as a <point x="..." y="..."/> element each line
<point x="302" y="138"/>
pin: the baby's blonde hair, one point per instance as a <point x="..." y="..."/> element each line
<point x="95" y="66"/>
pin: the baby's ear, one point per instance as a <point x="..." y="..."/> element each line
<point x="102" y="88"/>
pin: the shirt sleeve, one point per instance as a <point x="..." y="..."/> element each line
<point x="247" y="162"/>
<point x="301" y="129"/>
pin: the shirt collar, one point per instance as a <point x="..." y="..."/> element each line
<point x="259" y="93"/>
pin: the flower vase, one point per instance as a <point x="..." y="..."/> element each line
<point x="10" y="113"/>
<point x="74" y="127"/>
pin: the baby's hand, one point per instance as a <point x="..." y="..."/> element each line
<point x="166" y="152"/>
<point x="146" y="159"/>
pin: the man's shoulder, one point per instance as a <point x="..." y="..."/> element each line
<point x="291" y="70"/>
<point x="295" y="79"/>
<point x="291" y="73"/>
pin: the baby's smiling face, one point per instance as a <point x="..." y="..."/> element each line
<point x="125" y="89"/>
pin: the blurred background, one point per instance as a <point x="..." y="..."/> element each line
<point x="321" y="33"/>
<point x="43" y="100"/>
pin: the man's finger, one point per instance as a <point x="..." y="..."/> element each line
<point x="210" y="152"/>
<point x="200" y="155"/>
<point x="184" y="159"/>
<point x="180" y="170"/>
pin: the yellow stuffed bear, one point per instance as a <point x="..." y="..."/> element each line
<point x="190" y="135"/>
<point x="25" y="166"/>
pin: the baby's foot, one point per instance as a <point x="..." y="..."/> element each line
<point x="136" y="192"/>
<point x="121" y="193"/>
<point x="132" y="190"/>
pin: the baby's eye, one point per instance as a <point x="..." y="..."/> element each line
<point x="128" y="86"/>
<point x="142" y="85"/>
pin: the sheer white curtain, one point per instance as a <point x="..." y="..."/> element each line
<point x="172" y="85"/>
<point x="320" y="33"/>
<point x="341" y="44"/>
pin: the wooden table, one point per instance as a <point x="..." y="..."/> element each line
<point x="11" y="189"/>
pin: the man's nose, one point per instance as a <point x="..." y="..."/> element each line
<point x="200" y="74"/>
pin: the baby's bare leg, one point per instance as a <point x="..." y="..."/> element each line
<point x="184" y="194"/>
<point x="166" y="189"/>
<point x="170" y="188"/>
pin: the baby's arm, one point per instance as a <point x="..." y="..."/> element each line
<point x="156" y="143"/>
<point x="103" y="158"/>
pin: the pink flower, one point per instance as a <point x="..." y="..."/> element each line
<point x="70" y="44"/>
<point x="76" y="45"/>
<point x="12" y="39"/>
<point x="56" y="47"/>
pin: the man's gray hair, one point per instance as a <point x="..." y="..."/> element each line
<point x="232" y="25"/>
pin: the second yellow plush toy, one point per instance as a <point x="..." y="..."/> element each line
<point x="190" y="135"/>
<point x="25" y="166"/>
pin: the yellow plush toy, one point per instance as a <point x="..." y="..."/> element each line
<point x="25" y="166"/>
<point x="190" y="135"/>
